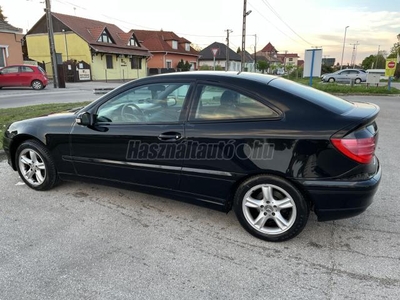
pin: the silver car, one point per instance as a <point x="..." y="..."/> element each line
<point x="346" y="75"/>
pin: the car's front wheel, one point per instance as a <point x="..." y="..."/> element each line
<point x="35" y="165"/>
<point x="331" y="79"/>
<point x="271" y="208"/>
<point x="37" y="85"/>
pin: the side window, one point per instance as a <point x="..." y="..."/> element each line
<point x="26" y="69"/>
<point x="218" y="103"/>
<point x="9" y="70"/>
<point x="149" y="104"/>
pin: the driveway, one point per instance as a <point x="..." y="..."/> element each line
<point x="89" y="241"/>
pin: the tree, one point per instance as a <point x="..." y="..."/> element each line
<point x="262" y="65"/>
<point x="374" y="62"/>
<point x="184" y="66"/>
<point x="326" y="69"/>
<point x="2" y="17"/>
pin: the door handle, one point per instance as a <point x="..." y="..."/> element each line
<point x="170" y="136"/>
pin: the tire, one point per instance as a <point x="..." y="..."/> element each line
<point x="358" y="80"/>
<point x="36" y="166"/>
<point x="331" y="79"/>
<point x="37" y="85"/>
<point x="271" y="208"/>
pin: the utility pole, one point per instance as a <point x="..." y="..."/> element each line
<point x="228" y="31"/>
<point x="255" y="53"/>
<point x="51" y="42"/>
<point x="354" y="54"/>
<point x="284" y="61"/>
<point x="245" y="14"/>
<point x="377" y="55"/>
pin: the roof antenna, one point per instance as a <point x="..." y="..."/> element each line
<point x="75" y="11"/>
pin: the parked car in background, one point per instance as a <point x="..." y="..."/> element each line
<point x="346" y="75"/>
<point x="23" y="76"/>
<point x="268" y="148"/>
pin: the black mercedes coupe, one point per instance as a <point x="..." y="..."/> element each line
<point x="268" y="148"/>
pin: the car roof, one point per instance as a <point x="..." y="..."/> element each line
<point x="264" y="78"/>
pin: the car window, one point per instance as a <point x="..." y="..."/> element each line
<point x="152" y="103"/>
<point x="353" y="72"/>
<point x="26" y="69"/>
<point x="9" y="70"/>
<point x="218" y="103"/>
<point x="42" y="71"/>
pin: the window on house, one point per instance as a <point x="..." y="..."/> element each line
<point x="2" y="60"/>
<point x="105" y="38"/>
<point x="109" y="61"/>
<point x="136" y="63"/>
<point x="174" y="44"/>
<point x="187" y="47"/>
<point x="133" y="42"/>
<point x="168" y="64"/>
<point x="290" y="59"/>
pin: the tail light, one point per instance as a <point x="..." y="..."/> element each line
<point x="360" y="145"/>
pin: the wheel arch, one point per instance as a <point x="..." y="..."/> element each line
<point x="236" y="185"/>
<point x="17" y="141"/>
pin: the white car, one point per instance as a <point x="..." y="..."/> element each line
<point x="346" y="75"/>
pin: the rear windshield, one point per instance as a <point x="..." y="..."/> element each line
<point x="41" y="70"/>
<point x="325" y="100"/>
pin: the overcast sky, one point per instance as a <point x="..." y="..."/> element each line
<point x="290" y="25"/>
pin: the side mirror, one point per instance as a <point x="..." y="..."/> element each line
<point x="171" y="102"/>
<point x="84" y="119"/>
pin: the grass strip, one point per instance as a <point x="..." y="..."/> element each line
<point x="9" y="115"/>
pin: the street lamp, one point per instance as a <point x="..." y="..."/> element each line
<point x="245" y="14"/>
<point x="398" y="48"/>
<point x="344" y="42"/>
<point x="65" y="42"/>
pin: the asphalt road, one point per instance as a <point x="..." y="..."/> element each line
<point x="87" y="241"/>
<point x="74" y="92"/>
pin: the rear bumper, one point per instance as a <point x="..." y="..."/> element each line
<point x="342" y="199"/>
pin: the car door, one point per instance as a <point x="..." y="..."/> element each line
<point x="343" y="76"/>
<point x="10" y="76"/>
<point x="26" y="75"/>
<point x="133" y="136"/>
<point x="226" y="135"/>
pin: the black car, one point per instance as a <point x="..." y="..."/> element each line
<point x="271" y="149"/>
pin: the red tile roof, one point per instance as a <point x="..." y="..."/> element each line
<point x="157" y="41"/>
<point x="90" y="31"/>
<point x="294" y="55"/>
<point x="269" y="48"/>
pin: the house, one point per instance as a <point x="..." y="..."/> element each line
<point x="10" y="44"/>
<point x="289" y="59"/>
<point x="167" y="49"/>
<point x="268" y="54"/>
<point x="249" y="64"/>
<point x="206" y="59"/>
<point x="109" y="52"/>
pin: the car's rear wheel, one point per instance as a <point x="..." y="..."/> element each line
<point x="35" y="165"/>
<point x="37" y="85"/>
<point x="331" y="79"/>
<point x="358" y="80"/>
<point x="271" y="208"/>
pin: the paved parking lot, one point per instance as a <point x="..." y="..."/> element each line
<point x="87" y="241"/>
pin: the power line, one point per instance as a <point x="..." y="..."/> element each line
<point x="137" y="25"/>
<point x="280" y="18"/>
<point x="277" y="28"/>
